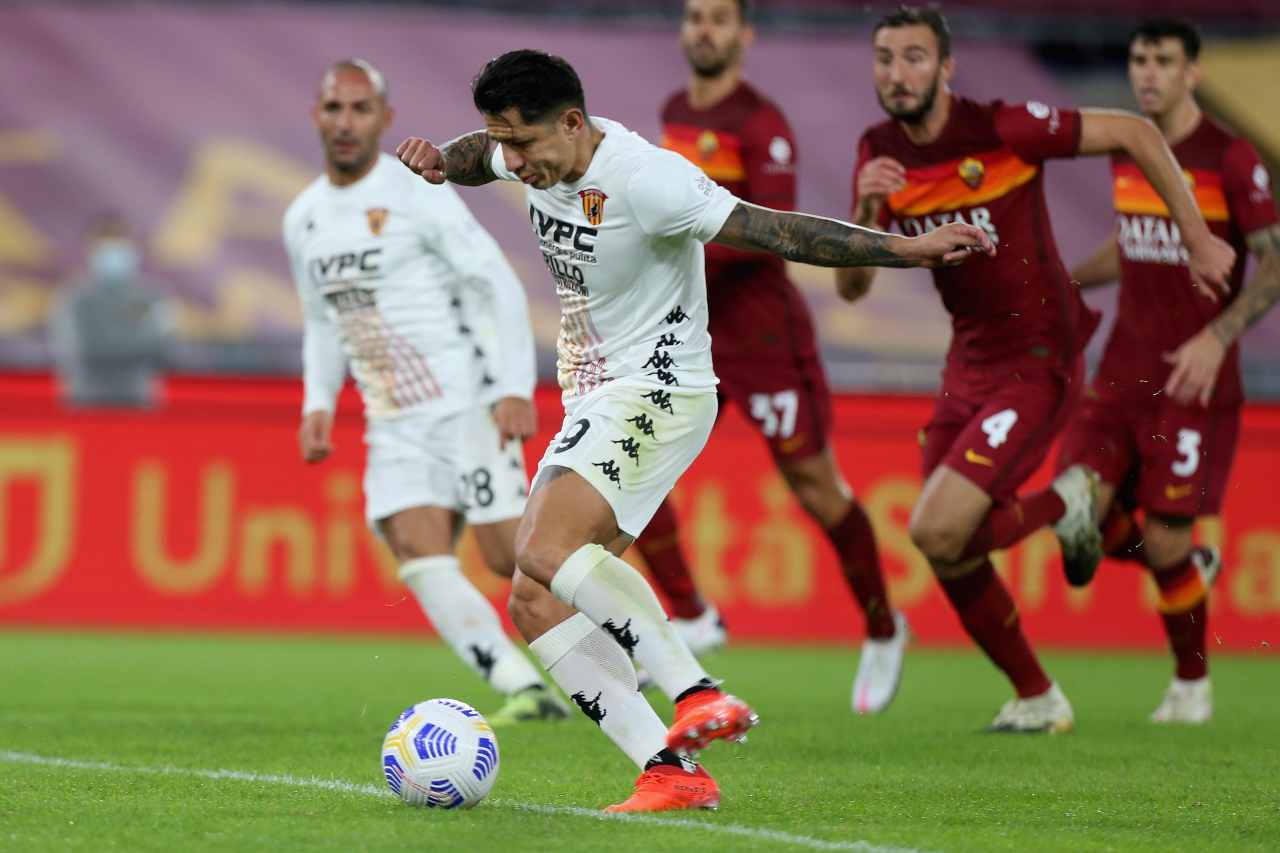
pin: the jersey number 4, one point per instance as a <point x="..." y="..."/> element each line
<point x="998" y="425"/>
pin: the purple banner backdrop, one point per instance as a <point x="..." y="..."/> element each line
<point x="194" y="123"/>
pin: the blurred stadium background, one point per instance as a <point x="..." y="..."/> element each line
<point x="191" y="120"/>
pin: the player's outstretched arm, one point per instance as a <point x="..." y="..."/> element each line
<point x="1104" y="131"/>
<point x="1100" y="268"/>
<point x="831" y="243"/>
<point x="1196" y="363"/>
<point x="464" y="161"/>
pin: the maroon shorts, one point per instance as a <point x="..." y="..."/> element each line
<point x="1167" y="458"/>
<point x="996" y="430"/>
<point x="787" y="400"/>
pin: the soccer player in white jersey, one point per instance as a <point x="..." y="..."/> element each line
<point x="385" y="264"/>
<point x="621" y="225"/>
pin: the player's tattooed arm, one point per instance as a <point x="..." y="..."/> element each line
<point x="1262" y="291"/>
<point x="464" y="161"/>
<point x="830" y="243"/>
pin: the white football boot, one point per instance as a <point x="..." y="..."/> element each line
<point x="1077" y="530"/>
<point x="703" y="634"/>
<point x="1189" y="702"/>
<point x="880" y="669"/>
<point x="1048" y="713"/>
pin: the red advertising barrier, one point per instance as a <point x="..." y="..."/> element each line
<point x="202" y="515"/>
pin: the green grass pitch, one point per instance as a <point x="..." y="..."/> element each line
<point x="144" y="719"/>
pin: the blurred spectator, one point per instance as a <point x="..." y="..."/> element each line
<point x="110" y="333"/>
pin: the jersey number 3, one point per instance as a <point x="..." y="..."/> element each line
<point x="1189" y="453"/>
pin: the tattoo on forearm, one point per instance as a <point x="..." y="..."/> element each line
<point x="807" y="239"/>
<point x="466" y="159"/>
<point x="1259" y="294"/>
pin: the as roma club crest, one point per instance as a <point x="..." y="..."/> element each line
<point x="377" y="219"/>
<point x="971" y="172"/>
<point x="593" y="205"/>
<point x="708" y="144"/>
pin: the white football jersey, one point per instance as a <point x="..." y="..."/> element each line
<point x="623" y="244"/>
<point x="384" y="268"/>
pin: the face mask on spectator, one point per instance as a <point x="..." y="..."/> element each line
<point x="115" y="260"/>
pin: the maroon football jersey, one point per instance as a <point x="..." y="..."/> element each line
<point x="744" y="144"/>
<point x="1158" y="308"/>
<point x="986" y="168"/>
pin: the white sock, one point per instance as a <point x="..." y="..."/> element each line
<point x="597" y="675"/>
<point x="468" y="623"/>
<point x="618" y="599"/>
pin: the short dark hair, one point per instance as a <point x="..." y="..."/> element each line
<point x="1154" y="29"/>
<point x="910" y="16"/>
<point x="744" y="10"/>
<point x="537" y="84"/>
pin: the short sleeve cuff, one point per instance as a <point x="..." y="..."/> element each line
<point x="715" y="215"/>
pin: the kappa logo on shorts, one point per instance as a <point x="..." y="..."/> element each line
<point x="590" y="707"/>
<point x="676" y="315"/>
<point x="631" y="447"/>
<point x="611" y="470"/>
<point x="643" y="423"/>
<point x="661" y="399"/>
<point x="660" y="359"/>
<point x="668" y="340"/>
<point x="664" y="376"/>
<point x="1177" y="493"/>
<point x="978" y="458"/>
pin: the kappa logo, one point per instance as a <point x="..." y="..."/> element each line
<point x="484" y="660"/>
<point x="593" y="204"/>
<point x="590" y="707"/>
<point x="972" y="172"/>
<point x="377" y="217"/>
<point x="622" y="635"/>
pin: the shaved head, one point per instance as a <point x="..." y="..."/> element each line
<point x="361" y="66"/>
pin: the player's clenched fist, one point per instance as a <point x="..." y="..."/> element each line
<point x="879" y="178"/>
<point x="948" y="245"/>
<point x="423" y="158"/>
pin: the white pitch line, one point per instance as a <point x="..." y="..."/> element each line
<point x="772" y="835"/>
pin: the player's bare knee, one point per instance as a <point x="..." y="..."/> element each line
<point x="522" y="603"/>
<point x="1166" y="539"/>
<point x="937" y="540"/>
<point x="539" y="556"/>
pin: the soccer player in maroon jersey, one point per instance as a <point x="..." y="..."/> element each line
<point x="1014" y="368"/>
<point x="1160" y="420"/>
<point x="763" y="342"/>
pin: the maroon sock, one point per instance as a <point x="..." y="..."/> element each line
<point x="1185" y="617"/>
<point x="1007" y="524"/>
<point x="855" y="542"/>
<point x="991" y="618"/>
<point x="660" y="545"/>
<point x="1122" y="537"/>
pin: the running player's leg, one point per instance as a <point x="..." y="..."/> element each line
<point x="1182" y="478"/>
<point x="617" y="456"/>
<point x="696" y="620"/>
<point x="1013" y="431"/>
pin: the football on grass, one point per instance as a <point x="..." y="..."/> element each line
<point x="440" y="754"/>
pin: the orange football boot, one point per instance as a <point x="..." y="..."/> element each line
<point x="709" y="715"/>
<point x="666" y="789"/>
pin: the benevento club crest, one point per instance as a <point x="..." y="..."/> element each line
<point x="971" y="172"/>
<point x="377" y="219"/>
<point x="593" y="205"/>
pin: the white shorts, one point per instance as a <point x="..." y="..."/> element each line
<point x="494" y="483"/>
<point x="631" y="442"/>
<point x="412" y="461"/>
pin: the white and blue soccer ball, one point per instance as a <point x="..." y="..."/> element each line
<point x="440" y="754"/>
